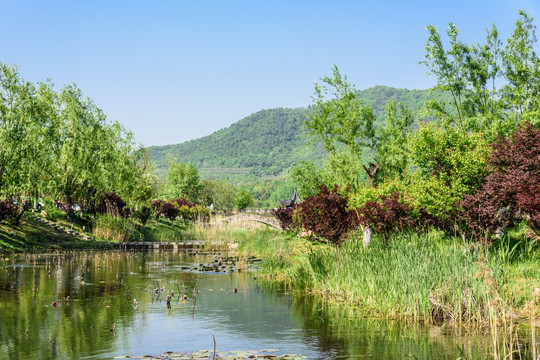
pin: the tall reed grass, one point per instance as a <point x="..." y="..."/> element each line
<point x="426" y="278"/>
<point x="107" y="227"/>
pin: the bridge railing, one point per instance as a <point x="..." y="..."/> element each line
<point x="258" y="211"/>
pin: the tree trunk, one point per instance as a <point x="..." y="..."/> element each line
<point x="366" y="239"/>
<point x="371" y="172"/>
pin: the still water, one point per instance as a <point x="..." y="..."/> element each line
<point x="63" y="306"/>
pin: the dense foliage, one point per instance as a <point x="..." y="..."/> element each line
<point x="243" y="200"/>
<point x="285" y="217"/>
<point x="387" y="216"/>
<point x="218" y="194"/>
<point x="11" y="213"/>
<point x="114" y="205"/>
<point x="143" y="214"/>
<point x="183" y="181"/>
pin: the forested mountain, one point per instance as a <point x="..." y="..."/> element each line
<point x="267" y="142"/>
<point x="261" y="145"/>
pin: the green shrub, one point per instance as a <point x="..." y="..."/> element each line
<point x="50" y="211"/>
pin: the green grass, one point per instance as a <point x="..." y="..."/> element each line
<point x="34" y="236"/>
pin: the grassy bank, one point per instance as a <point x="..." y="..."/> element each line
<point x="32" y="235"/>
<point x="429" y="278"/>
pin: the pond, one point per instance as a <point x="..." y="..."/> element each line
<point x="101" y="305"/>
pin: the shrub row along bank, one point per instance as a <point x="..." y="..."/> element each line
<point x="424" y="278"/>
<point x="506" y="195"/>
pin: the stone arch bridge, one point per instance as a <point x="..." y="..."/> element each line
<point x="270" y="221"/>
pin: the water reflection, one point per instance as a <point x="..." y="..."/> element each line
<point x="340" y="329"/>
<point x="62" y="306"/>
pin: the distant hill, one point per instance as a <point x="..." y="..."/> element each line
<point x="266" y="143"/>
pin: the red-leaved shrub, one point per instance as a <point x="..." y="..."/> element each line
<point x="169" y="210"/>
<point x="182" y="202"/>
<point x="285" y="217"/>
<point x="165" y="208"/>
<point x="388" y="215"/>
<point x="511" y="192"/>
<point x="113" y="205"/>
<point x="11" y="212"/>
<point x="326" y="215"/>
<point x="157" y="206"/>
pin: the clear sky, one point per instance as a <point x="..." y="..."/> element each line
<point x="171" y="71"/>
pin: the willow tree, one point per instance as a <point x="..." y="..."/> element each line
<point x="91" y="155"/>
<point x="16" y="121"/>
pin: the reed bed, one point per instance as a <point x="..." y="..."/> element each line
<point x="427" y="278"/>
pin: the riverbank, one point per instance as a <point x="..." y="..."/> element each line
<point x="429" y="278"/>
<point x="33" y="235"/>
<point x="37" y="233"/>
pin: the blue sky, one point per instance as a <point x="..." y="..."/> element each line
<point x="171" y="71"/>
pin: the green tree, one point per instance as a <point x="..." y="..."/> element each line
<point x="307" y="178"/>
<point x="147" y="185"/>
<point x="522" y="67"/>
<point x="451" y="163"/>
<point x="469" y="73"/>
<point x="220" y="194"/>
<point x="85" y="158"/>
<point x="343" y="123"/>
<point x="243" y="200"/>
<point x="17" y="105"/>
<point x="183" y="181"/>
<point x="392" y="153"/>
<point x="448" y="66"/>
<point x="59" y="145"/>
<point x="40" y="163"/>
